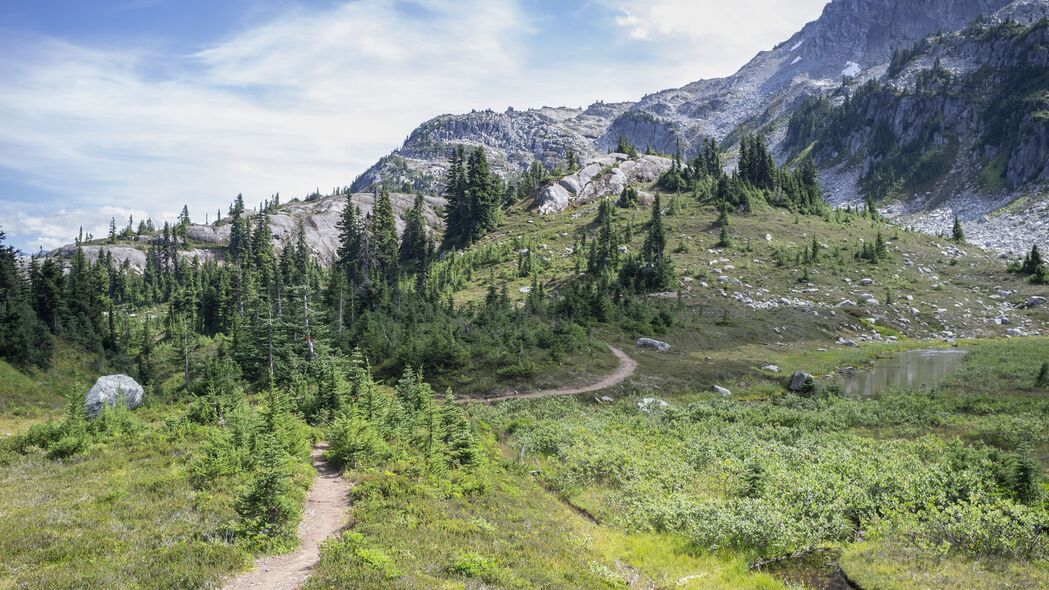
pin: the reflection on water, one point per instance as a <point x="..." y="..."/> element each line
<point x="913" y="369"/>
<point x="818" y="570"/>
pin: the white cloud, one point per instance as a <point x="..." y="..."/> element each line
<point x="720" y="36"/>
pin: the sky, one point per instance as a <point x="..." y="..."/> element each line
<point x="118" y="108"/>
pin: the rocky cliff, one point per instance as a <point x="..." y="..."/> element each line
<point x="957" y="125"/>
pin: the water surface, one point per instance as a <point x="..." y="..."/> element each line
<point x="912" y="369"/>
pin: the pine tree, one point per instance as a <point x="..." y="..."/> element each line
<point x="383" y="231"/>
<point x="957" y="233"/>
<point x="24" y="339"/>
<point x="571" y="160"/>
<point x="483" y="195"/>
<point x="348" y="254"/>
<point x="1033" y="262"/>
<point x="625" y="147"/>
<point x="457" y="211"/>
<point x="414" y="239"/>
<point x="238" y="236"/>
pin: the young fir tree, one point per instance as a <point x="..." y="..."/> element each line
<point x="415" y="242"/>
<point x="1033" y="263"/>
<point x="957" y="233"/>
<point x="24" y="339"/>
<point x="383" y="232"/>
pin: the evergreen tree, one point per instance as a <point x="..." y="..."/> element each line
<point x="350" y="249"/>
<point x="457" y="211"/>
<point x="239" y="235"/>
<point x="383" y="231"/>
<point x="414" y="239"/>
<point x="1033" y="262"/>
<point x="625" y="147"/>
<point x="24" y="339"/>
<point x="957" y="233"/>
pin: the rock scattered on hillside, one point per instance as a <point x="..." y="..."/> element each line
<point x="653" y="344"/>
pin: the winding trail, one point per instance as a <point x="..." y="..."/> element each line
<point x="326" y="513"/>
<point x="328" y="500"/>
<point x="626" y="368"/>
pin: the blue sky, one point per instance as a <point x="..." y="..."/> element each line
<point x="114" y="108"/>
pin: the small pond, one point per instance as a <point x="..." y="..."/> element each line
<point x="911" y="369"/>
<point x="817" y="569"/>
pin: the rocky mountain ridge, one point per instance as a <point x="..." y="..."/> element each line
<point x="957" y="126"/>
<point x="852" y="38"/>
<point x="318" y="216"/>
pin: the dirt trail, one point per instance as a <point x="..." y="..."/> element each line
<point x="626" y="368"/>
<point x="326" y="513"/>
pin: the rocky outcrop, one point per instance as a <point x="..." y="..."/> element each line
<point x="134" y="256"/>
<point x="318" y="217"/>
<point x="111" y="390"/>
<point x="598" y="178"/>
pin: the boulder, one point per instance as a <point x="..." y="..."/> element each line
<point x="1035" y="301"/>
<point x="797" y="380"/>
<point x="1014" y="332"/>
<point x="653" y="344"/>
<point x="650" y="405"/>
<point x="111" y="390"/>
<point x="721" y="390"/>
<point x="554" y="198"/>
<point x="846" y="342"/>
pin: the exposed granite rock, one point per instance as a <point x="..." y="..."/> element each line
<point x="319" y="217"/>
<point x="111" y="390"/>
<point x="605" y="176"/>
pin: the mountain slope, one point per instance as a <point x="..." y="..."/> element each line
<point x="853" y="41"/>
<point x="957" y="125"/>
<point x="852" y="37"/>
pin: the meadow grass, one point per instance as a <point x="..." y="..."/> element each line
<point x="120" y="515"/>
<point x="736" y="475"/>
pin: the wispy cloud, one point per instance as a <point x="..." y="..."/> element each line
<point x="721" y="35"/>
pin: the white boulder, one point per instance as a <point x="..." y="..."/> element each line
<point x="111" y="390"/>
<point x="653" y="344"/>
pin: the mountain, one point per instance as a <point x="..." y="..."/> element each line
<point x="852" y="42"/>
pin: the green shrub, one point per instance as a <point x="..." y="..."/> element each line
<point x="355" y="441"/>
<point x="473" y="565"/>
